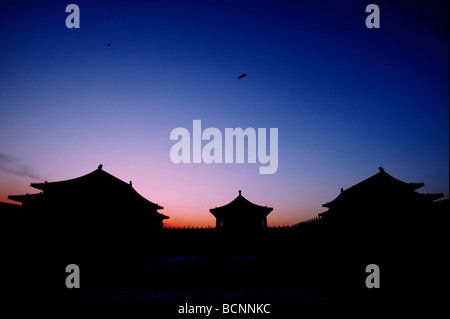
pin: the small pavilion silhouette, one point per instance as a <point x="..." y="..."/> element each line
<point x="241" y="214"/>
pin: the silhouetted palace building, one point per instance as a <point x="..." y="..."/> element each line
<point x="96" y="201"/>
<point x="379" y="200"/>
<point x="241" y="214"/>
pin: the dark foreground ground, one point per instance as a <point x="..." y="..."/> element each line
<point x="297" y="273"/>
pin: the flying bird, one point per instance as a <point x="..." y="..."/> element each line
<point x="242" y="75"/>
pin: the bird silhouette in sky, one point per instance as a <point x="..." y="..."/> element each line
<point x="242" y="75"/>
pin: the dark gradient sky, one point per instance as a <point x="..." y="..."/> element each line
<point x="345" y="99"/>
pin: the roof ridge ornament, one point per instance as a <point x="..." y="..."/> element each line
<point x="240" y="192"/>
<point x="100" y="167"/>
<point x="381" y="169"/>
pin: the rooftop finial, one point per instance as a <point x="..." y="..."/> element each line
<point x="131" y="184"/>
<point x="381" y="169"/>
<point x="100" y="166"/>
<point x="239" y="192"/>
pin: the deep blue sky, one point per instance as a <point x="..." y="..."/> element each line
<point x="346" y="99"/>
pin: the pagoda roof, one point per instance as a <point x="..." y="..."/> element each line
<point x="9" y="206"/>
<point x="239" y="204"/>
<point x="378" y="182"/>
<point x="26" y="197"/>
<point x="99" y="181"/>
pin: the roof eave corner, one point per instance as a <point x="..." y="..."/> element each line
<point x="38" y="186"/>
<point x="416" y="186"/>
